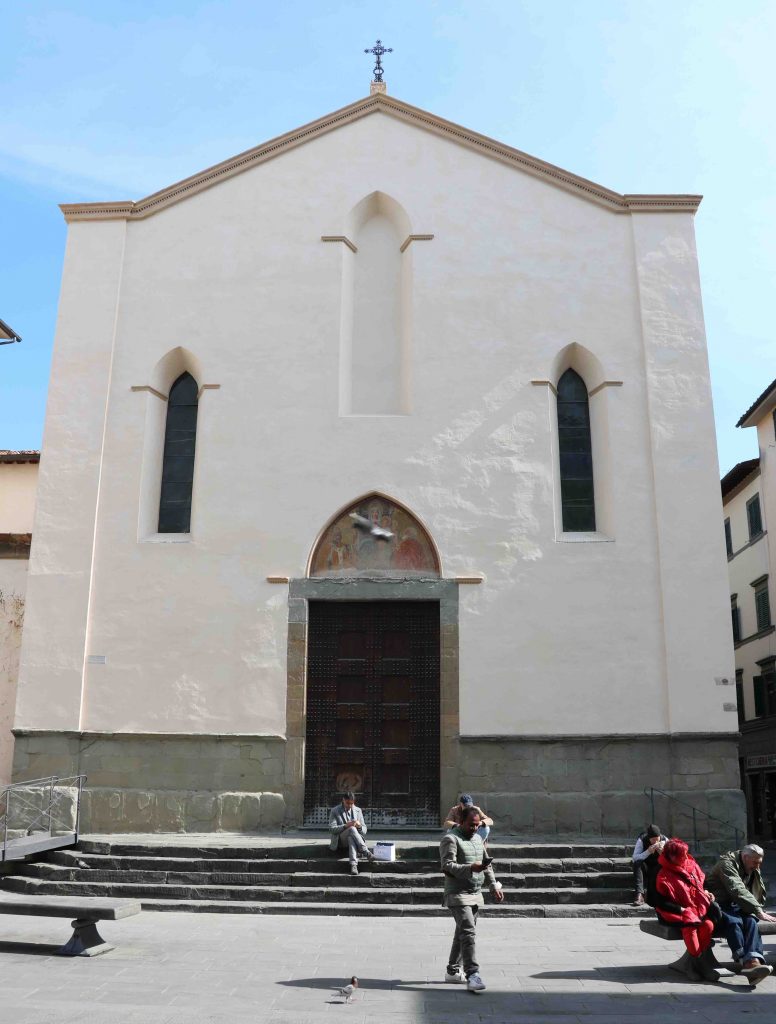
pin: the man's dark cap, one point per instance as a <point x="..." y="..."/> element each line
<point x="653" y="830"/>
<point x="465" y="799"/>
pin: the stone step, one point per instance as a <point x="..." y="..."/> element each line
<point x="369" y="876"/>
<point x="303" y="894"/>
<point x="311" y="850"/>
<point x="69" y="858"/>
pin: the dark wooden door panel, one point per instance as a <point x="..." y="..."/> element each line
<point x="373" y="710"/>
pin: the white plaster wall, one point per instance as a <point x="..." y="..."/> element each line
<point x="13" y="581"/>
<point x="562" y="637"/>
<point x="60" y="572"/>
<point x="18" y="483"/>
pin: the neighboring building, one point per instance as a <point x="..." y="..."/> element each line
<point x="749" y="504"/>
<point x="501" y="364"/>
<point x="18" y="481"/>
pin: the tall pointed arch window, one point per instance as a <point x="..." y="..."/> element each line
<point x="180" y="438"/>
<point x="576" y="455"/>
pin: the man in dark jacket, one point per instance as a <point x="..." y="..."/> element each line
<point x="648" y="848"/>
<point x="739" y="888"/>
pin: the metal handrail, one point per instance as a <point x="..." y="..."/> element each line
<point x="695" y="811"/>
<point x="36" y="814"/>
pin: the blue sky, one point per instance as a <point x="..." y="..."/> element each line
<point x="114" y="100"/>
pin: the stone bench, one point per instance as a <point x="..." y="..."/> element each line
<point x="86" y="912"/>
<point x="704" y="969"/>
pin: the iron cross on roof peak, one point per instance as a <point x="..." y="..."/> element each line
<point x="378" y="50"/>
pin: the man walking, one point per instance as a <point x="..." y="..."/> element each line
<point x="348" y="828"/>
<point x="739" y="888"/>
<point x="465" y="866"/>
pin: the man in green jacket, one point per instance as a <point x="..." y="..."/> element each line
<point x="465" y="866"/>
<point x="739" y="888"/>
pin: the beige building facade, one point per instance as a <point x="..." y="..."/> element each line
<point x="500" y="365"/>
<point x="18" y="482"/>
<point x="749" y="505"/>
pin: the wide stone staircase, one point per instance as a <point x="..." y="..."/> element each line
<point x="540" y="879"/>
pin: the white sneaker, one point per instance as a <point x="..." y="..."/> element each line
<point x="354" y="869"/>
<point x="474" y="983"/>
<point x="456" y="978"/>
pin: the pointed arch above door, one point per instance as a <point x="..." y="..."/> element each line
<point x="342" y="549"/>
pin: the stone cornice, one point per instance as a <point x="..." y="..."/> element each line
<point x="379" y="102"/>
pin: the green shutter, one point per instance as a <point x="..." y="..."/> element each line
<point x="759" y="697"/>
<point x="762" y="607"/>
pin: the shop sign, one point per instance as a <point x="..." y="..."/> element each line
<point x="761" y="761"/>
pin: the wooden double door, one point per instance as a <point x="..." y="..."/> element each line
<point x="373" y="710"/>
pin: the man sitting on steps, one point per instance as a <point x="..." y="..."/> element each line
<point x="646" y="852"/>
<point x="348" y="828"/>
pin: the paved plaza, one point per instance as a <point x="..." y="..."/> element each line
<point x="183" y="968"/>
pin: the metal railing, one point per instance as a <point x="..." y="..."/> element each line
<point x="738" y="834"/>
<point x="30" y="807"/>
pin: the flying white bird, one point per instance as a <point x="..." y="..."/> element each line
<point x="378" y="532"/>
<point x="348" y="990"/>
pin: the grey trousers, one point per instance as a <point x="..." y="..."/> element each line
<point x="463" y="951"/>
<point x="355" y="843"/>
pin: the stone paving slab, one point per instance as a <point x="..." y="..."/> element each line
<point x="175" y="968"/>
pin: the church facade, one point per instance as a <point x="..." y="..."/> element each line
<point x="380" y="457"/>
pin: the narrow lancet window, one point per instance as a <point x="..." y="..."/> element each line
<point x="576" y="455"/>
<point x="180" y="437"/>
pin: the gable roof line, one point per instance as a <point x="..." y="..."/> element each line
<point x="130" y="210"/>
<point x="739" y="474"/>
<point x="755" y="410"/>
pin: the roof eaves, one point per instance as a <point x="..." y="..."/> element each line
<point x="747" y="420"/>
<point x="738" y="474"/>
<point x="614" y="201"/>
<point x="8" y="333"/>
<point x="8" y="455"/>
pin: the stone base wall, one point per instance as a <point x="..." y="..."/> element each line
<point x="156" y="783"/>
<point x="530" y="785"/>
<point x="595" y="785"/>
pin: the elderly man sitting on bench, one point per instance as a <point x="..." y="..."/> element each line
<point x="738" y="887"/>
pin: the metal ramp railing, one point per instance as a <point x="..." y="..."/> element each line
<point x="39" y="814"/>
<point x="737" y="833"/>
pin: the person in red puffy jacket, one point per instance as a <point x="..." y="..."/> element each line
<point x="683" y="898"/>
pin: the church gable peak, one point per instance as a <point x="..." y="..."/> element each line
<point x="380" y="102"/>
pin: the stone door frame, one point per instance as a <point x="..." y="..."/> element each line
<point x="383" y="588"/>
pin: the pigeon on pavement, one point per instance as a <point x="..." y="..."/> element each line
<point x="348" y="990"/>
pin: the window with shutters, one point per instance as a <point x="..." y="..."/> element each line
<point x="735" y="614"/>
<point x="575" y="454"/>
<point x="769" y="692"/>
<point x="740" y="695"/>
<point x="728" y="538"/>
<point x="759" y="701"/>
<point x="762" y="603"/>
<point x="180" y="439"/>
<point x="767" y="687"/>
<point x="754" y="517"/>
